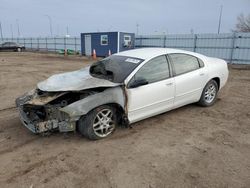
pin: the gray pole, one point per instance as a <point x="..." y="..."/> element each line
<point x="18" y="29"/>
<point x="50" y="24"/>
<point x="67" y="30"/>
<point x="1" y="31"/>
<point x="221" y="8"/>
<point x="11" y="31"/>
<point x="137" y="29"/>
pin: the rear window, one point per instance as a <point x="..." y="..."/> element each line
<point x="114" y="68"/>
<point x="184" y="63"/>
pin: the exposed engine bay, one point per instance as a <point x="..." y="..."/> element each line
<point x="42" y="109"/>
<point x="56" y="105"/>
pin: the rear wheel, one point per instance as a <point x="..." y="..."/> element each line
<point x="19" y="49"/>
<point x="209" y="94"/>
<point x="98" y="123"/>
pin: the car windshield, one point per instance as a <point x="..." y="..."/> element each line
<point x="114" y="68"/>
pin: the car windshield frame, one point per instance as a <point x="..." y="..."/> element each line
<point x="115" y="68"/>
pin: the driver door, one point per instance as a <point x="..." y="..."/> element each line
<point x="154" y="93"/>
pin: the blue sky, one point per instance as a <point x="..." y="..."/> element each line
<point x="153" y="16"/>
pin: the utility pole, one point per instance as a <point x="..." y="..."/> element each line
<point x="50" y="24"/>
<point x="1" y="31"/>
<point x="221" y="8"/>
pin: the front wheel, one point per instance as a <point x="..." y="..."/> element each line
<point x="19" y="49"/>
<point x="209" y="94"/>
<point x="98" y="123"/>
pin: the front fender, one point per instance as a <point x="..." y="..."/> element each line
<point x="83" y="106"/>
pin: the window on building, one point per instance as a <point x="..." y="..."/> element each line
<point x="104" y="39"/>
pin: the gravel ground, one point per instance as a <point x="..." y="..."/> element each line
<point x="188" y="147"/>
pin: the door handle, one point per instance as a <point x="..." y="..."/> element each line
<point x="202" y="74"/>
<point x="169" y="84"/>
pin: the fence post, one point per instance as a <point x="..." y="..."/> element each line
<point x="64" y="41"/>
<point x="31" y="43"/>
<point x="195" y="41"/>
<point x="232" y="47"/>
<point x="75" y="46"/>
<point x="140" y="41"/>
<point x="37" y="44"/>
<point x="55" y="43"/>
<point x="24" y="43"/>
<point x="46" y="43"/>
<point x="164" y="41"/>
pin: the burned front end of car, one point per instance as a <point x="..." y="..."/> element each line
<point x="41" y="111"/>
<point x="60" y="101"/>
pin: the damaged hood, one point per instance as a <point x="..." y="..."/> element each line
<point x="74" y="81"/>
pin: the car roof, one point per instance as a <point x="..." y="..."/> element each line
<point x="9" y="42"/>
<point x="148" y="53"/>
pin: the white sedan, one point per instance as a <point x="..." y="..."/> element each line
<point x="122" y="89"/>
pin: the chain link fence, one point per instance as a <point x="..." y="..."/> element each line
<point x="233" y="47"/>
<point x="48" y="44"/>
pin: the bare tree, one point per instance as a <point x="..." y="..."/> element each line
<point x="243" y="23"/>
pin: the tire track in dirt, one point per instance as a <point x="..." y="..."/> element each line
<point x="200" y="146"/>
<point x="17" y="146"/>
<point x="25" y="171"/>
<point x="55" y="161"/>
<point x="8" y="108"/>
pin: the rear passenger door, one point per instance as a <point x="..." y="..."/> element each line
<point x="190" y="78"/>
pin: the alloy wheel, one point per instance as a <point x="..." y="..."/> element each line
<point x="104" y="123"/>
<point x="210" y="93"/>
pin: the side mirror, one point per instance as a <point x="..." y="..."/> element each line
<point x="138" y="82"/>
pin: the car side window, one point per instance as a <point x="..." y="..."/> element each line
<point x="184" y="63"/>
<point x="13" y="44"/>
<point x="6" y="44"/>
<point x="154" y="70"/>
<point x="201" y="63"/>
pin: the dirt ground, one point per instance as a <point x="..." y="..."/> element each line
<point x="188" y="147"/>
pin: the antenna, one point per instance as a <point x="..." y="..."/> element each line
<point x="221" y="8"/>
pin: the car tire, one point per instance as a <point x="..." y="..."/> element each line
<point x="98" y="123"/>
<point x="209" y="94"/>
<point x="19" y="49"/>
